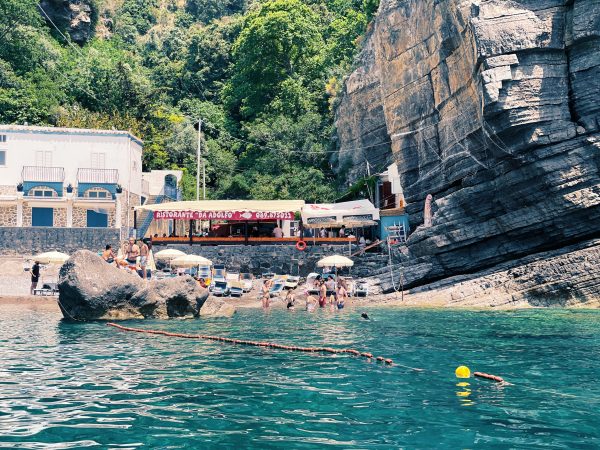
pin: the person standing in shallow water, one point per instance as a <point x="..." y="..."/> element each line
<point x="266" y="294"/>
<point x="322" y="294"/>
<point x="35" y="276"/>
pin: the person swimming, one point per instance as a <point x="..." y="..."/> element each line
<point x="365" y="316"/>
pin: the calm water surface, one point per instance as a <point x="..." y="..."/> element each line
<point x="65" y="385"/>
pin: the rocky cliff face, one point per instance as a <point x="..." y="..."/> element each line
<point x="492" y="107"/>
<point x="76" y="17"/>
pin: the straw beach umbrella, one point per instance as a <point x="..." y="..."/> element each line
<point x="168" y="254"/>
<point x="335" y="261"/>
<point x="190" y="261"/>
<point x="51" y="258"/>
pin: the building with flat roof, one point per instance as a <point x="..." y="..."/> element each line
<point x="69" y="178"/>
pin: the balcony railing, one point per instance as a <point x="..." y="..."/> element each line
<point x="102" y="176"/>
<point x="43" y="174"/>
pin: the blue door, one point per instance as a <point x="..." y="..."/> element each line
<point x="42" y="217"/>
<point x="96" y="219"/>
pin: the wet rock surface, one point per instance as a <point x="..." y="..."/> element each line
<point x="489" y="106"/>
<point x="216" y="307"/>
<point x="91" y="289"/>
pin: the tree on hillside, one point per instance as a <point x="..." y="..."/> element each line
<point x="279" y="54"/>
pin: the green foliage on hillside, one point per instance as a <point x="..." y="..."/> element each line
<point x="262" y="76"/>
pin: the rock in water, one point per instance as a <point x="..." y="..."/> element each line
<point x="90" y="289"/>
<point x="216" y="307"/>
<point x="172" y="297"/>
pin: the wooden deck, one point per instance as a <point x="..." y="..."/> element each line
<point x="249" y="241"/>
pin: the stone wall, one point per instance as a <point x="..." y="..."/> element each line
<point x="491" y="107"/>
<point x="256" y="259"/>
<point x="26" y="215"/>
<point x="79" y="217"/>
<point x="60" y="217"/>
<point x="134" y="200"/>
<point x="8" y="216"/>
<point x="30" y="241"/>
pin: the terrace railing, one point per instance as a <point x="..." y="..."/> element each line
<point x="43" y="174"/>
<point x="101" y="176"/>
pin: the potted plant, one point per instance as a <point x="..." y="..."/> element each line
<point x="70" y="189"/>
<point x="20" y="187"/>
<point x="119" y="189"/>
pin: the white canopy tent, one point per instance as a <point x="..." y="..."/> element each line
<point x="358" y="213"/>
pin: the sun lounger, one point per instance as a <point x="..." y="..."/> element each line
<point x="220" y="288"/>
<point x="277" y="288"/>
<point x="247" y="280"/>
<point x="362" y="290"/>
<point x="292" y="282"/>
<point x="232" y="276"/>
<point x="236" y="289"/>
<point x="46" y="289"/>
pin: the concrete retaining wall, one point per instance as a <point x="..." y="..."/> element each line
<point x="31" y="240"/>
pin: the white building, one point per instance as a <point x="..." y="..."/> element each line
<point x="67" y="177"/>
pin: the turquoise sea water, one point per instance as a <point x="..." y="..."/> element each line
<point x="75" y="385"/>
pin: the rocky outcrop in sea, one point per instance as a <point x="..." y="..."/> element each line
<point x="91" y="289"/>
<point x="491" y="106"/>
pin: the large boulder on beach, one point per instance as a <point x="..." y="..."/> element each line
<point x="216" y="307"/>
<point x="91" y="289"/>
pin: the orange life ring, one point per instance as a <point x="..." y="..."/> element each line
<point x="300" y="245"/>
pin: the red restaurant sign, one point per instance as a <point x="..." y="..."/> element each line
<point x="223" y="215"/>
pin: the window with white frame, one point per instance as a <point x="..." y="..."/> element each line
<point x="2" y="158"/>
<point x="97" y="193"/>
<point x="2" y="138"/>
<point x="43" y="158"/>
<point x="42" y="191"/>
<point x="98" y="160"/>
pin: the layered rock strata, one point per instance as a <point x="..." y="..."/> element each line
<point x="492" y="107"/>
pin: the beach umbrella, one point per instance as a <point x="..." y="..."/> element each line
<point x="190" y="261"/>
<point x="335" y="261"/>
<point x="52" y="258"/>
<point x="168" y="254"/>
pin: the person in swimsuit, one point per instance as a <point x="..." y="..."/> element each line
<point x="108" y="255"/>
<point x="266" y="295"/>
<point x="290" y="299"/>
<point x="311" y="303"/>
<point x="322" y="295"/>
<point x="342" y="295"/>
<point x="133" y="251"/>
<point x="144" y="252"/>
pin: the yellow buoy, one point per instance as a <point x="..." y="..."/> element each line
<point x="462" y="372"/>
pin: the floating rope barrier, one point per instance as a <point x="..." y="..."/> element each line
<point x="351" y="351"/>
<point x="487" y="376"/>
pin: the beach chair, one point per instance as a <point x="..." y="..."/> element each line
<point x="292" y="282"/>
<point x="236" y="289"/>
<point x="247" y="280"/>
<point x="277" y="288"/>
<point x="220" y="288"/>
<point x="232" y="276"/>
<point x="362" y="290"/>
